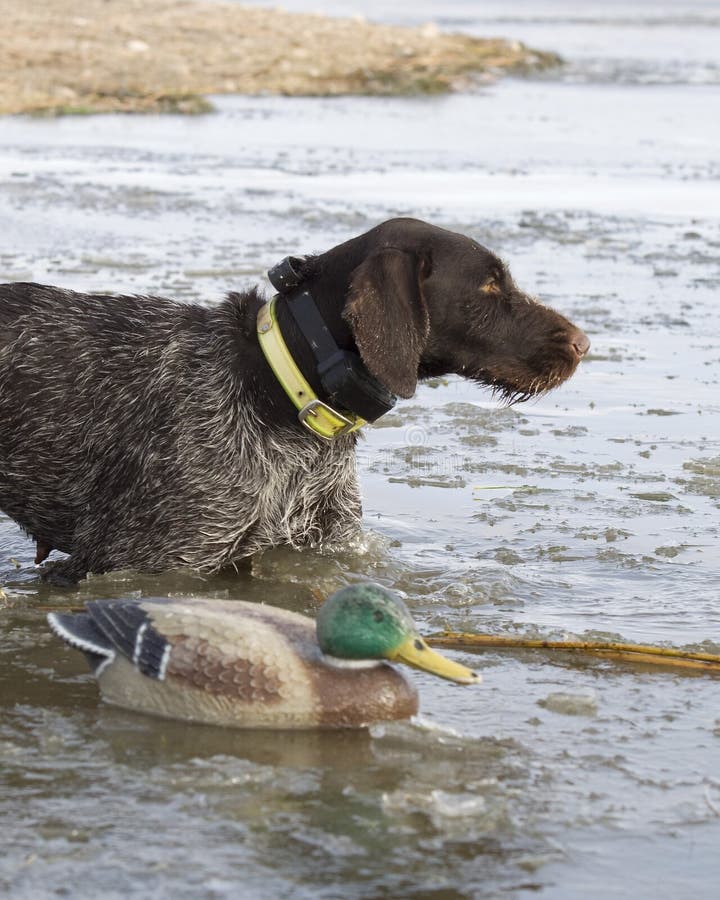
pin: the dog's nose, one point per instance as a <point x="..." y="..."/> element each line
<point x="580" y="343"/>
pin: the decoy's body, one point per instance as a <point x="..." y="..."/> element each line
<point x="254" y="666"/>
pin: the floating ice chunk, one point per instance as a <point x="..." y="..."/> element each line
<point x="584" y="704"/>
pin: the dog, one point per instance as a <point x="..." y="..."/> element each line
<point x="142" y="433"/>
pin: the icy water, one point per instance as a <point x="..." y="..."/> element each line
<point x="593" y="512"/>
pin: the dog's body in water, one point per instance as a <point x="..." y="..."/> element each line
<point x="141" y="433"/>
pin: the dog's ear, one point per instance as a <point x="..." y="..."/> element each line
<point x="388" y="316"/>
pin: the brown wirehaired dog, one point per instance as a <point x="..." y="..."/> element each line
<point x="137" y="432"/>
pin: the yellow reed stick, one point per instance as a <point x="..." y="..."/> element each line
<point x="645" y="653"/>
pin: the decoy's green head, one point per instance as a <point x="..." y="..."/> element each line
<point x="366" y="621"/>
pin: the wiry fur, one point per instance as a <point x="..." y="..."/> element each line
<point x="148" y="450"/>
<point x="136" y="432"/>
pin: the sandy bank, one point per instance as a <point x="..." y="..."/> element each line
<point x="154" y="55"/>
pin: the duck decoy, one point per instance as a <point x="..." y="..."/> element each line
<point x="249" y="665"/>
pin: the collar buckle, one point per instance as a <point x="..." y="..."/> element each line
<point x="331" y="416"/>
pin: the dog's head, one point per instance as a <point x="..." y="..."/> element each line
<point x="421" y="301"/>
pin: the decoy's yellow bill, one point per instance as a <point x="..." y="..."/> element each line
<point x="416" y="653"/>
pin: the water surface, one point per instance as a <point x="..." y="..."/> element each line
<point x="593" y="512"/>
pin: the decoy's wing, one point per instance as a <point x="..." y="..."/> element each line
<point x="109" y="627"/>
<point x="79" y="631"/>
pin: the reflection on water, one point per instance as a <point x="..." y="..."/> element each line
<point x="593" y="512"/>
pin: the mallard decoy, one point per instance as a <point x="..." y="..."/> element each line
<point x="255" y="666"/>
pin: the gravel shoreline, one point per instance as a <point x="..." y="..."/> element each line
<point x="168" y="55"/>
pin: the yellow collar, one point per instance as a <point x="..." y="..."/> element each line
<point x="315" y="415"/>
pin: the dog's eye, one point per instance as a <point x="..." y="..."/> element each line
<point x="491" y="286"/>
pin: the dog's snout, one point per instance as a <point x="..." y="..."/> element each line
<point x="579" y="342"/>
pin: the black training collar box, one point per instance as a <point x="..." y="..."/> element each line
<point x="350" y="386"/>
